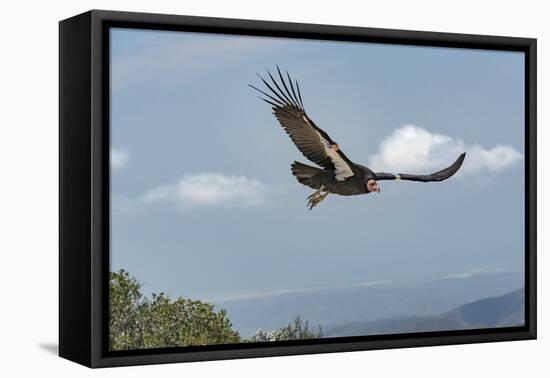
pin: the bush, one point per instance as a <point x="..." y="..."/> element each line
<point x="136" y="322"/>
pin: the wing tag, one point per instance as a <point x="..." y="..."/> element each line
<point x="341" y="169"/>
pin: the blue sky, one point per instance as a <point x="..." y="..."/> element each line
<point x="205" y="206"/>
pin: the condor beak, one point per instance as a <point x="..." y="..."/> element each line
<point x="378" y="190"/>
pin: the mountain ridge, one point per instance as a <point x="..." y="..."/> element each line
<point x="500" y="311"/>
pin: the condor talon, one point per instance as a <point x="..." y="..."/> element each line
<point x="316" y="198"/>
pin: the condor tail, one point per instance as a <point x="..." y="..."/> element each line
<point x="306" y="174"/>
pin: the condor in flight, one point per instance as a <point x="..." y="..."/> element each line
<point x="338" y="174"/>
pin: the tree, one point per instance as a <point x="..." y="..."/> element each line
<point x="137" y="322"/>
<point x="126" y="305"/>
<point x="185" y="322"/>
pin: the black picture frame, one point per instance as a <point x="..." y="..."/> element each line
<point x="84" y="187"/>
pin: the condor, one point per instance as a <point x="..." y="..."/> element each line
<point x="338" y="174"/>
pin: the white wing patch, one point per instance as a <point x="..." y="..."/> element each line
<point x="341" y="169"/>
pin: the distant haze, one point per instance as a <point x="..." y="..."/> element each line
<point x="337" y="307"/>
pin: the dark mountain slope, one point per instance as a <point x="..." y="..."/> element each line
<point x="502" y="311"/>
<point x="506" y="310"/>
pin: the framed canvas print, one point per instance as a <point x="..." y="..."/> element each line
<point x="234" y="188"/>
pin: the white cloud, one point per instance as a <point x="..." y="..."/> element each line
<point x="375" y="283"/>
<point x="123" y="204"/>
<point x="412" y="149"/>
<point x="209" y="189"/>
<point x="119" y="158"/>
<point x="473" y="272"/>
<point x="280" y="292"/>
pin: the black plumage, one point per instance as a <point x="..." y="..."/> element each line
<point x="338" y="174"/>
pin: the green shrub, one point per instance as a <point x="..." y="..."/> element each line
<point x="137" y="322"/>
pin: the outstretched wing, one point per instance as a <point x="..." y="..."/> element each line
<point x="444" y="174"/>
<point x="316" y="145"/>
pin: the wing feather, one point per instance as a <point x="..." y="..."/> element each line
<point x="315" y="144"/>
<point x="441" y="175"/>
